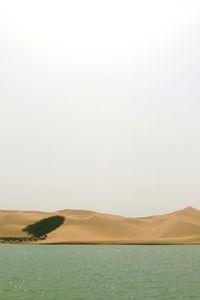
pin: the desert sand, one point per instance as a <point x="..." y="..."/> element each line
<point x="89" y="227"/>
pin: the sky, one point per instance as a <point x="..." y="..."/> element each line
<point x="100" y="105"/>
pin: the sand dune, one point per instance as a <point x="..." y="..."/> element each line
<point x="83" y="226"/>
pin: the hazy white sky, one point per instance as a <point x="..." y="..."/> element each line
<point x="100" y="105"/>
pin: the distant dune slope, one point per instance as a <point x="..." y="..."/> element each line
<point x="81" y="226"/>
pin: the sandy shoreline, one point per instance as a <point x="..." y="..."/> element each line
<point x="87" y="227"/>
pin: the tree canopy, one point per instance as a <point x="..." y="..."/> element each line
<point x="40" y="228"/>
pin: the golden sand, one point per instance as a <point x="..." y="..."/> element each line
<point x="81" y="226"/>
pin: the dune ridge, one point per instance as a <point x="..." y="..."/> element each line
<point x="89" y="227"/>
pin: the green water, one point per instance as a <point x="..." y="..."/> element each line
<point x="99" y="272"/>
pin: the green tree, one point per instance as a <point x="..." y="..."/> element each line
<point x="40" y="228"/>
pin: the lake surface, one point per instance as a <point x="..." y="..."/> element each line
<point x="32" y="272"/>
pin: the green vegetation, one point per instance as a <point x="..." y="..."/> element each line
<point x="40" y="228"/>
<point x="16" y="239"/>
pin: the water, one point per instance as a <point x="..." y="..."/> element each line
<point x="99" y="272"/>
